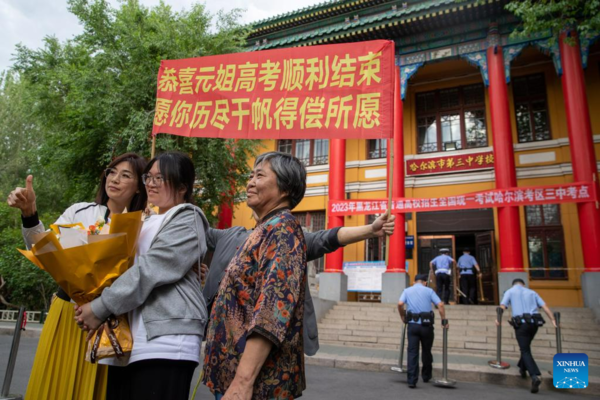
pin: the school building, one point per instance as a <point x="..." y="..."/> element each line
<point x="481" y="110"/>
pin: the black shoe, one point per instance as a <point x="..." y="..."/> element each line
<point x="426" y="380"/>
<point x="535" y="384"/>
<point x="412" y="385"/>
<point x="523" y="373"/>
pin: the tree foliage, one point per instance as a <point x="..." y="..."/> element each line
<point x="21" y="137"/>
<point x="21" y="282"/>
<point x="556" y="15"/>
<point x="95" y="94"/>
<point x="67" y="108"/>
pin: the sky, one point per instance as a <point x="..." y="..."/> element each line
<point x="29" y="21"/>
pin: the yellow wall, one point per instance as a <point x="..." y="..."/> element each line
<point x="457" y="73"/>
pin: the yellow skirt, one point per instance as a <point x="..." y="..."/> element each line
<point x="60" y="371"/>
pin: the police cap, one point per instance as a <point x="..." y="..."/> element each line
<point x="444" y="250"/>
<point x="421" y="277"/>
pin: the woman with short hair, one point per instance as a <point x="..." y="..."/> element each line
<point x="254" y="344"/>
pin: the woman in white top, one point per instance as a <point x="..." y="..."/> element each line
<point x="59" y="370"/>
<point x="161" y="291"/>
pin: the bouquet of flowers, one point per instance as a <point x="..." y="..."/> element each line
<point x="85" y="261"/>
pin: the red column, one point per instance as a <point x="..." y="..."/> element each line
<point x="397" y="240"/>
<point x="583" y="157"/>
<point x="226" y="207"/>
<point x="337" y="191"/>
<point x="511" y="255"/>
<point x="225" y="216"/>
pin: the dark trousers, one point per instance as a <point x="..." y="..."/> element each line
<point x="423" y="336"/>
<point x="442" y="281"/>
<point x="151" y="380"/>
<point x="525" y="334"/>
<point x="468" y="285"/>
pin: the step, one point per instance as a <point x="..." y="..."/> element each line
<point x="508" y="338"/>
<point x="354" y="304"/>
<point x="567" y="328"/>
<point x="384" y="316"/>
<point x="485" y="350"/>
<point x="473" y="310"/>
<point x="472" y="332"/>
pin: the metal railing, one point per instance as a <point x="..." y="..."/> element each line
<point x="498" y="363"/>
<point x="12" y="359"/>
<point x="13" y="315"/>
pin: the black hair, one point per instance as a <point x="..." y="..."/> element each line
<point x="138" y="164"/>
<point x="290" y="172"/>
<point x="178" y="170"/>
<point x="518" y="280"/>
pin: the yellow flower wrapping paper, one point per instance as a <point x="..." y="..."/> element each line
<point x="84" y="271"/>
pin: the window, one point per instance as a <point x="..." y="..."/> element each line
<point x="376" y="148"/>
<point x="309" y="152"/>
<point x="374" y="247"/>
<point x="313" y="222"/>
<point x="545" y="242"/>
<point x="451" y="119"/>
<point x="531" y="110"/>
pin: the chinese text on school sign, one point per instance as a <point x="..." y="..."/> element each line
<point x="450" y="163"/>
<point x="564" y="193"/>
<point x="334" y="91"/>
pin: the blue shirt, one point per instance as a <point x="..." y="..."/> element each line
<point x="522" y="300"/>
<point x="418" y="299"/>
<point x="467" y="261"/>
<point x="442" y="264"/>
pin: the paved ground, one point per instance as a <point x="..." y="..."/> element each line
<point x="323" y="382"/>
<point x="388" y="356"/>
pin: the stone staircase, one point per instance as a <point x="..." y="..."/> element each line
<point x="472" y="330"/>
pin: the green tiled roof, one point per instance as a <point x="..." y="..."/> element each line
<point x="415" y="11"/>
<point x="308" y="15"/>
<point x="317" y="7"/>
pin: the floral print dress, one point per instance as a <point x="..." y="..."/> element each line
<point x="262" y="292"/>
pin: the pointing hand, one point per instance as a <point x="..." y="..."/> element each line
<point x="23" y="198"/>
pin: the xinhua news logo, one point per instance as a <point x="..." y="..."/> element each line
<point x="570" y="371"/>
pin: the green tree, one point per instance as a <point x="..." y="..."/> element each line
<point x="96" y="93"/>
<point x="21" y="282"/>
<point x="68" y="107"/>
<point x="21" y="137"/>
<point x="556" y="15"/>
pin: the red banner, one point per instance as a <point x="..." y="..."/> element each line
<point x="450" y="163"/>
<point x="341" y="91"/>
<point x="525" y="196"/>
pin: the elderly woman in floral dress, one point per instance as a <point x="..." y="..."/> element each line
<point x="255" y="345"/>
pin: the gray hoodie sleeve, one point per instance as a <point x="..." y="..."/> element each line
<point x="173" y="252"/>
<point x="212" y="238"/>
<point x="320" y="243"/>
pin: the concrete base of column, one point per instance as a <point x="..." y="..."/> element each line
<point x="393" y="284"/>
<point x="590" y="282"/>
<point x="505" y="280"/>
<point x="333" y="286"/>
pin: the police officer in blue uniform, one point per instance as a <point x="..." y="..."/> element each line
<point x="443" y="271"/>
<point x="468" y="278"/>
<point x="419" y="317"/>
<point x="526" y="320"/>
